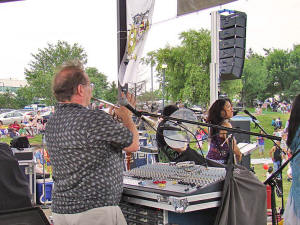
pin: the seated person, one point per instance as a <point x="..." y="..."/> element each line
<point x="30" y="127"/>
<point x="22" y="131"/>
<point x="14" y="133"/>
<point x="169" y="154"/>
<point x="15" y="125"/>
<point x="3" y="129"/>
<point x="219" y="114"/>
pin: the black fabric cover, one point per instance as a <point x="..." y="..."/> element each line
<point x="14" y="188"/>
<point x="20" y="142"/>
<point x="243" y="200"/>
<point x="191" y="155"/>
<point x="24" y="216"/>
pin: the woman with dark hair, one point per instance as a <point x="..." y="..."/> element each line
<point x="219" y="114"/>
<point x="167" y="153"/>
<point x="292" y="209"/>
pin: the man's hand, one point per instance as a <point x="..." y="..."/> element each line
<point x="123" y="113"/>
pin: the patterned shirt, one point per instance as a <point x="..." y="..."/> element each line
<point x="85" y="148"/>
<point x="218" y="152"/>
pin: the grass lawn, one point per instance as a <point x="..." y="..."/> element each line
<point x="265" y="122"/>
<point x="36" y="140"/>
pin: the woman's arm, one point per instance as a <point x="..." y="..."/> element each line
<point x="236" y="149"/>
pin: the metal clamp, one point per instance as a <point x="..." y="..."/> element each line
<point x="162" y="198"/>
<point x="179" y="204"/>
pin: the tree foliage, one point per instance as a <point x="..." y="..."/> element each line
<point x="254" y="79"/>
<point x="111" y="94"/>
<point x="43" y="66"/>
<point x="100" y="82"/>
<point x="187" y="72"/>
<point x="8" y="100"/>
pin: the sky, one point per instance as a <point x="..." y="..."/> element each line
<point x="29" y="25"/>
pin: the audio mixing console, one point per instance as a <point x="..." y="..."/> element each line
<point x="179" y="179"/>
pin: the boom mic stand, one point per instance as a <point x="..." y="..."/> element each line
<point x="257" y="125"/>
<point x="281" y="187"/>
<point x="272" y="182"/>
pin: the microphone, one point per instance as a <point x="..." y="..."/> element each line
<point x="124" y="102"/>
<point x="249" y="114"/>
<point x="229" y="136"/>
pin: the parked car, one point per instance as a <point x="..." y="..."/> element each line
<point x="6" y="110"/>
<point x="27" y="113"/>
<point x="11" y="117"/>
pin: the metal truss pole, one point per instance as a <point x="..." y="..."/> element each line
<point x="214" y="65"/>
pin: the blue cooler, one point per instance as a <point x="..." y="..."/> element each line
<point x="48" y="190"/>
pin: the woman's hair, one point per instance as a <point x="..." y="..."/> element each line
<point x="214" y="114"/>
<point x="294" y="120"/>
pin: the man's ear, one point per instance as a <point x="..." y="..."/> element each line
<point x="80" y="90"/>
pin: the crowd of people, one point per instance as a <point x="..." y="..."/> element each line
<point x="28" y="127"/>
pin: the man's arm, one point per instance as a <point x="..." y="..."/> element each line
<point x="126" y="116"/>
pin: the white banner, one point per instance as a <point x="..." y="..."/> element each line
<point x="139" y="19"/>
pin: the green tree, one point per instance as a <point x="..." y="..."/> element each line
<point x="277" y="65"/>
<point x="233" y="88"/>
<point x="25" y="96"/>
<point x="42" y="68"/>
<point x="254" y="79"/>
<point x="187" y="72"/>
<point x="99" y="80"/>
<point x="111" y="94"/>
<point x="149" y="96"/>
<point x="8" y="100"/>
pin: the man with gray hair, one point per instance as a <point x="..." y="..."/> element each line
<point x="85" y="148"/>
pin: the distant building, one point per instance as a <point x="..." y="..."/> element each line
<point x="11" y="84"/>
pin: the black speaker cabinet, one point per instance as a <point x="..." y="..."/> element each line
<point x="25" y="216"/>
<point x="242" y="138"/>
<point x="243" y="125"/>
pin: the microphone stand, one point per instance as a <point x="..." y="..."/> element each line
<point x="257" y="125"/>
<point x="273" y="183"/>
<point x="44" y="206"/>
<point x="280" y="189"/>
<point x="233" y="130"/>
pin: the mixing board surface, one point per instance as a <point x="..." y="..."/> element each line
<point x="176" y="179"/>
